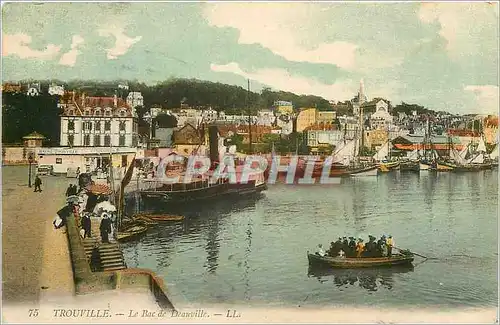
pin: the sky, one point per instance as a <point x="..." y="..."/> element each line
<point x="440" y="55"/>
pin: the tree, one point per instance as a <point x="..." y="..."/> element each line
<point x="237" y="140"/>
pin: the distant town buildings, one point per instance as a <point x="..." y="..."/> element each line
<point x="11" y="88"/>
<point x="135" y="99"/>
<point x="56" y="90"/>
<point x="283" y="107"/>
<point x="33" y="89"/>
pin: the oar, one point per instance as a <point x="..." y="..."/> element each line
<point x="410" y="252"/>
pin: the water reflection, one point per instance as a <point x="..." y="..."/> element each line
<point x="212" y="247"/>
<point x="369" y="279"/>
<point x="203" y="222"/>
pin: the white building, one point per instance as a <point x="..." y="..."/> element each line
<point x="56" y="90"/>
<point x="134" y="99"/>
<point x="188" y="116"/>
<point x="97" y="121"/>
<point x="33" y="89"/>
<point x="323" y="137"/>
<point x="349" y="126"/>
<point x="381" y="119"/>
<point x="209" y="115"/>
<point x="265" y="117"/>
<point x="285" y="122"/>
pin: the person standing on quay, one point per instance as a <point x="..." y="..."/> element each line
<point x="38" y="184"/>
<point x="87" y="225"/>
<point x="105" y="228"/>
<point x="95" y="259"/>
<point x="69" y="190"/>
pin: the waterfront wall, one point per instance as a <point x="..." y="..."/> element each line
<point x="88" y="282"/>
<point x="17" y="155"/>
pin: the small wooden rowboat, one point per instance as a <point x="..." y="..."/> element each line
<point x="362" y="262"/>
<point x="144" y="220"/>
<point x="131" y="232"/>
<point x="160" y="217"/>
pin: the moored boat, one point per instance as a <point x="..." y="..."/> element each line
<point x="424" y="166"/>
<point x="144" y="219"/>
<point x="131" y="232"/>
<point x="410" y="166"/>
<point x="364" y="171"/>
<point x="389" y="166"/>
<point x="163" y="217"/>
<point x="362" y="262"/>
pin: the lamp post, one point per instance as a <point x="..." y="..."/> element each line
<point x="30" y="161"/>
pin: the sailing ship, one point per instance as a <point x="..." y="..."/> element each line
<point x="383" y="156"/>
<point x="471" y="159"/>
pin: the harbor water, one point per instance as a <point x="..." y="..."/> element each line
<point x="252" y="251"/>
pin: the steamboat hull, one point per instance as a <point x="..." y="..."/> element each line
<point x="216" y="191"/>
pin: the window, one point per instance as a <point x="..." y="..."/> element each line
<point x="121" y="141"/>
<point x="107" y="140"/>
<point x="97" y="140"/>
<point x="97" y="112"/>
<point x="107" y="126"/>
<point x="86" y="140"/>
<point x="122" y="126"/>
<point x="124" y="161"/>
<point x="71" y="125"/>
<point x="58" y="161"/>
<point x="134" y="141"/>
<point x="71" y="140"/>
<point x="98" y="126"/>
<point x="123" y="113"/>
<point x="108" y="113"/>
<point x="87" y="126"/>
<point x="71" y="112"/>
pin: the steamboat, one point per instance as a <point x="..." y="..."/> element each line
<point x="208" y="186"/>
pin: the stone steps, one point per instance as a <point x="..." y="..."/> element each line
<point x="111" y="255"/>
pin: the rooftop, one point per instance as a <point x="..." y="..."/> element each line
<point x="34" y="136"/>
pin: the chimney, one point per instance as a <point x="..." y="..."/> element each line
<point x="115" y="100"/>
<point x="213" y="140"/>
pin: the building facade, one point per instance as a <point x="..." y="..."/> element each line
<point x="326" y="116"/>
<point x="34" y="89"/>
<point x="306" y="118"/>
<point x="97" y="121"/>
<point x="56" y="90"/>
<point x="135" y="99"/>
<point x="381" y="119"/>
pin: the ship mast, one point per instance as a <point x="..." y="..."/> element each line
<point x="361" y="101"/>
<point x="249" y="118"/>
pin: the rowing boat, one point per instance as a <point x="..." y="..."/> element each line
<point x="160" y="217"/>
<point x="131" y="232"/>
<point x="362" y="262"/>
<point x="144" y="220"/>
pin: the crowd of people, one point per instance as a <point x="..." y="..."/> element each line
<point x="349" y="247"/>
<point x="85" y="205"/>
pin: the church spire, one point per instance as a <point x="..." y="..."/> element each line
<point x="361" y="94"/>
